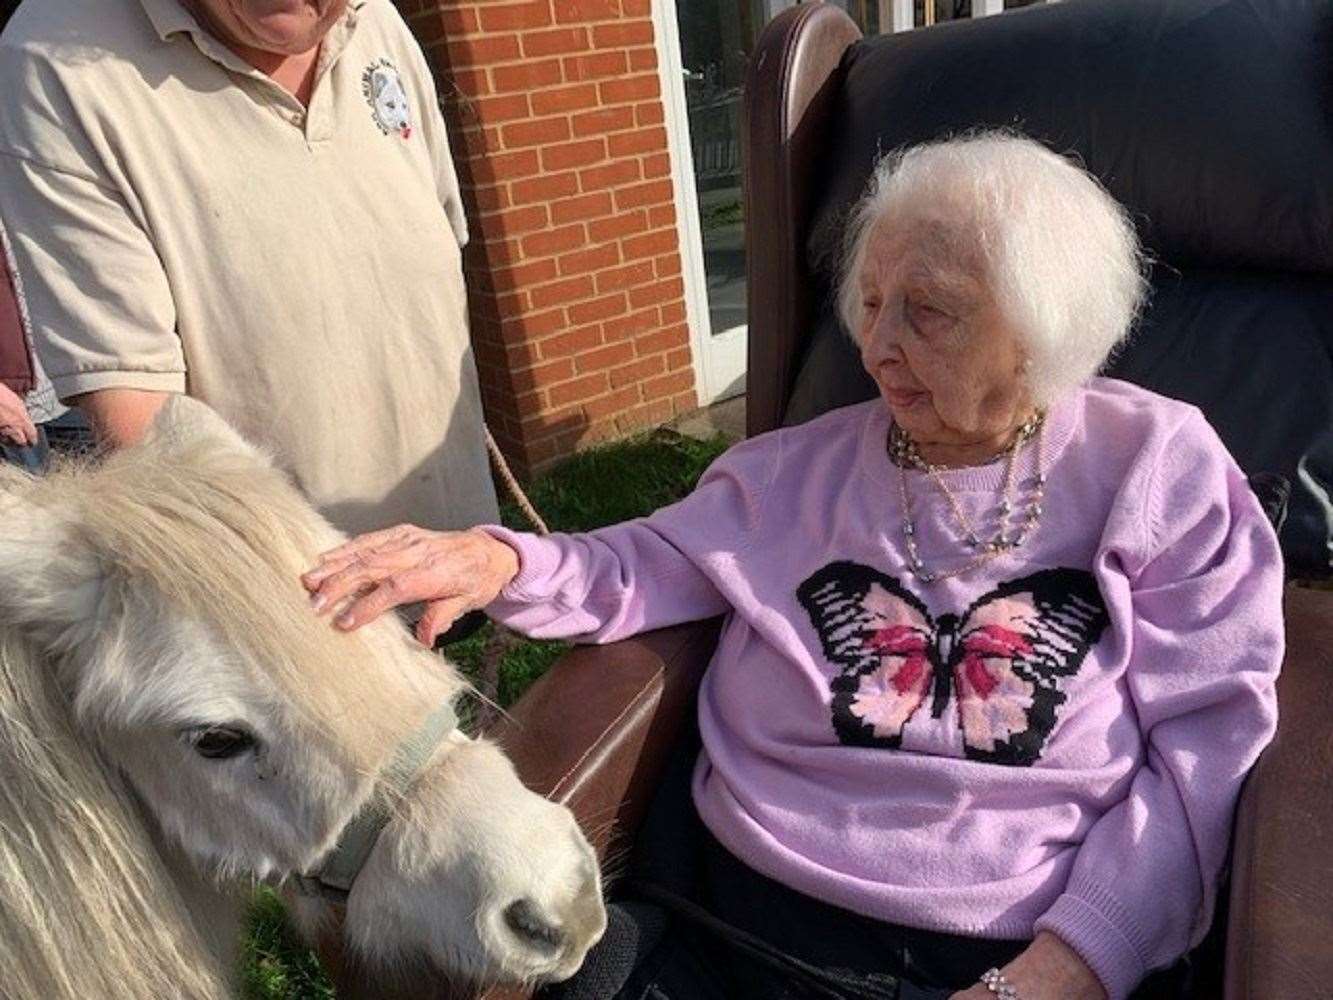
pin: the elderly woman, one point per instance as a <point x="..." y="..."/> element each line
<point x="1000" y="644"/>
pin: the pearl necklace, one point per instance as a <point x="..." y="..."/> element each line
<point x="904" y="452"/>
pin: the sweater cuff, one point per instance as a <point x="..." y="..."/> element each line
<point x="1096" y="925"/>
<point x="538" y="558"/>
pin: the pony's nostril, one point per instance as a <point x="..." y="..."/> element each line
<point x="525" y="920"/>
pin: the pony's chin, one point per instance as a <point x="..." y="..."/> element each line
<point x="479" y="968"/>
<point x="511" y="965"/>
<point x="521" y="970"/>
<point x="564" y="971"/>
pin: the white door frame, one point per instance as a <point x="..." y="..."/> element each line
<point x="719" y="360"/>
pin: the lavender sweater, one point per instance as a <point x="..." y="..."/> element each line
<point x="1054" y="741"/>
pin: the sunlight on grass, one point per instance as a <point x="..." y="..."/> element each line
<point x="602" y="486"/>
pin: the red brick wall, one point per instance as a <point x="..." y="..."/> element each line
<point x="574" y="269"/>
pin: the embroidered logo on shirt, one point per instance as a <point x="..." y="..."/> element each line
<point x="1001" y="660"/>
<point x="383" y="89"/>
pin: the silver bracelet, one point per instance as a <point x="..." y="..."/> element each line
<point x="993" y="980"/>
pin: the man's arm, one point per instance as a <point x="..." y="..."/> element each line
<point x="100" y="308"/>
<point x="120" y="417"/>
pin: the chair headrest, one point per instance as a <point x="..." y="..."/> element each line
<point x="1211" y="120"/>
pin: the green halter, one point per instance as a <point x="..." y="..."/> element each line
<point x="332" y="878"/>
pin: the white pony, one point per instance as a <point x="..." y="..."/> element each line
<point x="174" y="721"/>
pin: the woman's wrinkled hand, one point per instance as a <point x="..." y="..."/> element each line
<point x="451" y="571"/>
<point x="16" y="426"/>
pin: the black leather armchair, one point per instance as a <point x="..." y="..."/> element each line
<point x="1211" y="121"/>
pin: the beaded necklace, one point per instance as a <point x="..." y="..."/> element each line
<point x="905" y="454"/>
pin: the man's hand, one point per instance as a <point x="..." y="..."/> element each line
<point x="452" y="571"/>
<point x="16" y="427"/>
<point x="1047" y="969"/>
<point x="120" y="417"/>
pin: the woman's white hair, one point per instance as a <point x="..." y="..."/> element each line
<point x="1057" y="251"/>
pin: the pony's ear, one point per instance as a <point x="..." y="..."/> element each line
<point x="50" y="578"/>
<point x="184" y="423"/>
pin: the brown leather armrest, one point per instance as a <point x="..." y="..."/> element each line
<point x="592" y="733"/>
<point x="1280" y="930"/>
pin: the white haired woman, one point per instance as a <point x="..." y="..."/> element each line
<point x="1000" y="645"/>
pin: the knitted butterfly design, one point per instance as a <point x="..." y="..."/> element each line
<point x="1002" y="659"/>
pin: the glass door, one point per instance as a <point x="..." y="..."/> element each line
<point x="716" y="37"/>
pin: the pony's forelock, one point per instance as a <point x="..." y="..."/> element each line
<point x="164" y="518"/>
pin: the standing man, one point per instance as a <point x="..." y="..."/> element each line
<point x="251" y="201"/>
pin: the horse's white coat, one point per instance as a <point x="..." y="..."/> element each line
<point x="156" y="592"/>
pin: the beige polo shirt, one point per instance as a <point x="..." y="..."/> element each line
<point x="181" y="223"/>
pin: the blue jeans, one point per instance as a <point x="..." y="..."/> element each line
<point x="31" y="457"/>
<point x="70" y="434"/>
<point x="67" y="434"/>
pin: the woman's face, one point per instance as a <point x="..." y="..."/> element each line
<point x="947" y="362"/>
<point x="282" y="27"/>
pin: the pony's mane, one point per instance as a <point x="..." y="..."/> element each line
<point x="87" y="908"/>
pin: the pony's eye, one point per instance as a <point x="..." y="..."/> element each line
<point x="220" y="742"/>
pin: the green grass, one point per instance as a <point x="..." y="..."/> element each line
<point x="619" y="481"/>
<point x="275" y="963"/>
<point x="602" y="486"/>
